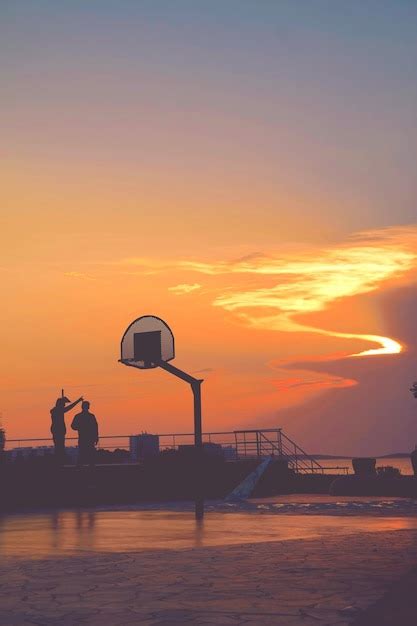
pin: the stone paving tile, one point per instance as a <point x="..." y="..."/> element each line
<point x="295" y="583"/>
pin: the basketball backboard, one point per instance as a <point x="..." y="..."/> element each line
<point x="146" y="342"/>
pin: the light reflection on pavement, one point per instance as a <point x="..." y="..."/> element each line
<point x="69" y="532"/>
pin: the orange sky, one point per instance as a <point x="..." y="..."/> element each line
<point x="239" y="319"/>
<point x="247" y="175"/>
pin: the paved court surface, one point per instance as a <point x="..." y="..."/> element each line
<point x="328" y="580"/>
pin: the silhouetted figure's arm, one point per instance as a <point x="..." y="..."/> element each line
<point x="74" y="424"/>
<point x="72" y="405"/>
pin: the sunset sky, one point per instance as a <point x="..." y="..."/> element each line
<point x="245" y="170"/>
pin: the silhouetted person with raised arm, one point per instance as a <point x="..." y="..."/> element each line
<point x="58" y="428"/>
<point x="86" y="425"/>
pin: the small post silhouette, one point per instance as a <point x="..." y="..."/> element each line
<point x="413" y="454"/>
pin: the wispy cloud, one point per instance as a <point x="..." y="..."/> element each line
<point x="300" y="281"/>
<point x="309" y="283"/>
<point x="318" y="384"/>
<point x="184" y="288"/>
<point x="79" y="275"/>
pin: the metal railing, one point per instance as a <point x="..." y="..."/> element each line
<point x="272" y="441"/>
<point x="235" y="445"/>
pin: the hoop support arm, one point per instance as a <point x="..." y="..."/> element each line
<point x="179" y="373"/>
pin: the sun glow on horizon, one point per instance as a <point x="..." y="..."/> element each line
<point x="388" y="345"/>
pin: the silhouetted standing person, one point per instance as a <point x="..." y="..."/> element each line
<point x="58" y="428"/>
<point x="86" y="425"/>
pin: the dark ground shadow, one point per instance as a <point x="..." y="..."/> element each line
<point x="397" y="607"/>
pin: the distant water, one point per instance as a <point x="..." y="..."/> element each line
<point x="403" y="464"/>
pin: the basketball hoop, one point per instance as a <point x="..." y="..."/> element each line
<point x="148" y="343"/>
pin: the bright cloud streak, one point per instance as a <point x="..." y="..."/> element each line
<point x="387" y="345"/>
<point x="309" y="282"/>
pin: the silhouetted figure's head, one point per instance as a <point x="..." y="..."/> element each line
<point x="61" y="402"/>
<point x="85" y="405"/>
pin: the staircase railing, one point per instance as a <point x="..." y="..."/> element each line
<point x="273" y="441"/>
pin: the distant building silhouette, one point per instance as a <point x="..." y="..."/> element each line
<point x="2" y="439"/>
<point x="143" y="446"/>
